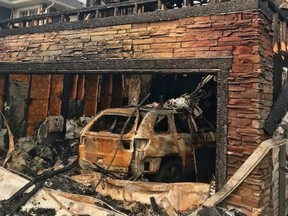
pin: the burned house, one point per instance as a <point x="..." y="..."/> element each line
<point x="116" y="54"/>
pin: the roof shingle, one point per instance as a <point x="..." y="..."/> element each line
<point x="72" y="3"/>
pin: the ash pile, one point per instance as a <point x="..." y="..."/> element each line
<point x="46" y="150"/>
<point x="47" y="162"/>
<point x="52" y="146"/>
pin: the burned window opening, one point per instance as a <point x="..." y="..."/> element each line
<point x="126" y="144"/>
<point x="181" y="123"/>
<point x="113" y="124"/>
<point x="161" y="124"/>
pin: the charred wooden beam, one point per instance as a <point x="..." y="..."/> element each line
<point x="275" y="27"/>
<point x="283" y="36"/>
<point x="91" y="97"/>
<point x="126" y="66"/>
<point x="106" y="92"/>
<point x="11" y="206"/>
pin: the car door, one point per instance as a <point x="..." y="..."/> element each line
<point x="184" y="139"/>
<point x="162" y="139"/>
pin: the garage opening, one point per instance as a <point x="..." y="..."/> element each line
<point x="171" y="139"/>
<point x="86" y="91"/>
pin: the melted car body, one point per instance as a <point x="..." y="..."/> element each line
<point x="156" y="143"/>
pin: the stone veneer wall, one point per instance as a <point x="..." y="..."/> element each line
<point x="244" y="35"/>
<point x="245" y="135"/>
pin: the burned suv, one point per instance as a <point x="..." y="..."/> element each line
<point x="158" y="144"/>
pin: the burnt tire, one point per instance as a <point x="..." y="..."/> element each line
<point x="169" y="171"/>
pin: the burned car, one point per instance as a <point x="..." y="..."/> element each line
<point x="156" y="143"/>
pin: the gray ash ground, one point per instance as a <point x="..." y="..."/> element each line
<point x="64" y="183"/>
<point x="37" y="212"/>
<point x="31" y="157"/>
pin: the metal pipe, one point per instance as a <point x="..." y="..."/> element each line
<point x="46" y="9"/>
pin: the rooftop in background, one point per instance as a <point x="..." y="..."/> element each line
<point x="71" y="4"/>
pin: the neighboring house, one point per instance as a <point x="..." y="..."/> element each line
<point x="5" y="13"/>
<point x="91" y="3"/>
<point x="22" y="8"/>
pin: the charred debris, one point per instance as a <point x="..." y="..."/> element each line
<point x="50" y="160"/>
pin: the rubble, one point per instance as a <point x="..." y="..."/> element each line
<point x="31" y="157"/>
<point x="52" y="124"/>
<point x="63" y="195"/>
<point x="212" y="211"/>
<point x="20" y="197"/>
<point x="49" y="201"/>
<point x="74" y="126"/>
<point x="241" y="174"/>
<point x="183" y="197"/>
